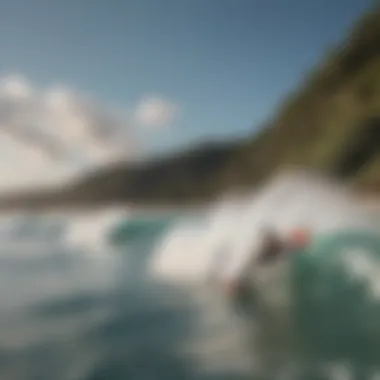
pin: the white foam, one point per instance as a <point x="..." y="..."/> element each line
<point x="184" y="256"/>
<point x="234" y="226"/>
<point x="89" y="232"/>
<point x="33" y="234"/>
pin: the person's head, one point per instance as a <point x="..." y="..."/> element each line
<point x="300" y="237"/>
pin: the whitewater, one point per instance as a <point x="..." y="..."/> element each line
<point x="77" y="302"/>
<point x="123" y="294"/>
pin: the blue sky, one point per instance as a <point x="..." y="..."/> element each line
<point x="224" y="64"/>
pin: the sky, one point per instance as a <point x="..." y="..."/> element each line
<point x="154" y="75"/>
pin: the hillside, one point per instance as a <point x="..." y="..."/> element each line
<point x="316" y="122"/>
<point x="315" y="126"/>
<point x="182" y="178"/>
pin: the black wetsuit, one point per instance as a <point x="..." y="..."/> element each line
<point x="245" y="299"/>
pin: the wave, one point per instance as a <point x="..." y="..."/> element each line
<point x="235" y="224"/>
<point x="336" y="274"/>
<point x="185" y="245"/>
<point x="334" y="296"/>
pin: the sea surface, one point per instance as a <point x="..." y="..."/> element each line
<point x="115" y="295"/>
<point x="76" y="302"/>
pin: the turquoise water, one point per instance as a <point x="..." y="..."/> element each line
<point x="336" y="301"/>
<point x="66" y="314"/>
<point x="70" y="315"/>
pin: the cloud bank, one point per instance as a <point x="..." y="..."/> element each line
<point x="62" y="124"/>
<point x="45" y="132"/>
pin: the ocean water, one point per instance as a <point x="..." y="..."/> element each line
<point x="82" y="306"/>
<point x="127" y="295"/>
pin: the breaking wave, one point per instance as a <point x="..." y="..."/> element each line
<point x="162" y="262"/>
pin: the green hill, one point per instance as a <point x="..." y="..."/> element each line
<point x="314" y="124"/>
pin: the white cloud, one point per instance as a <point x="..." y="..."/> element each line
<point x="155" y="112"/>
<point x="15" y="86"/>
<point x="49" y="130"/>
<point x="46" y="133"/>
<point x="24" y="165"/>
